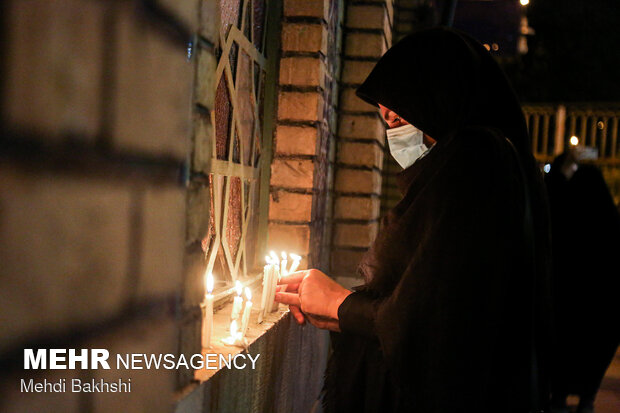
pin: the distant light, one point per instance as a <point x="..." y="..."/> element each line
<point x="525" y="2"/>
<point x="574" y="140"/>
<point x="190" y="50"/>
<point x="486" y="46"/>
<point x="495" y="47"/>
<point x="601" y="125"/>
<point x="547" y="168"/>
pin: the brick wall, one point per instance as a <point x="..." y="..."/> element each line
<point x="95" y="120"/>
<point x="361" y="139"/>
<point x="302" y="169"/>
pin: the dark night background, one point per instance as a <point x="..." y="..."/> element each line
<point x="574" y="55"/>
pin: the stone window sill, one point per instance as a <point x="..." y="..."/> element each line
<point x="221" y="325"/>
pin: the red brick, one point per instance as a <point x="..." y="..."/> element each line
<point x="365" y="45"/>
<point x="209" y="23"/>
<point x="366" y="208"/>
<point x="287" y="206"/>
<point x="202" y="144"/>
<point x="361" y="127"/>
<point x="205" y="79"/>
<point x="152" y="115"/>
<point x="355" y="235"/>
<point x="291" y="238"/>
<point x="64" y="249"/>
<point x="364" y="154"/>
<point x="185" y="10"/>
<point x="54" y="68"/>
<point x="355" y="71"/>
<point x="296" y="140"/>
<point x="306" y="8"/>
<point x="163" y="240"/>
<point x="304" y="37"/>
<point x="194" y="266"/>
<point x="300" y="106"/>
<point x="366" y="16"/>
<point x="349" y="101"/>
<point x="198" y="211"/>
<point x="358" y="181"/>
<point x="301" y="71"/>
<point x="292" y="173"/>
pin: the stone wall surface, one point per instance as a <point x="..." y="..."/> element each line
<point x="95" y="124"/>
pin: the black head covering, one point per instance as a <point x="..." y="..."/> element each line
<point x="444" y="82"/>
<point x="441" y="81"/>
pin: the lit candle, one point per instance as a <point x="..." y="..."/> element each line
<point x="283" y="264"/>
<point x="266" y="280"/>
<point x="245" y="320"/>
<point x="207" y="319"/>
<point x="275" y="276"/>
<point x="296" y="260"/>
<point x="238" y="302"/>
<point x="235" y="338"/>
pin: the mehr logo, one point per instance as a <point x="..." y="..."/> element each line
<point x="62" y="359"/>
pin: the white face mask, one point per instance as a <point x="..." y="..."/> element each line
<point x="406" y="144"/>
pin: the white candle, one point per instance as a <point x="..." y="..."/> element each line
<point x="283" y="264"/>
<point x="207" y="319"/>
<point x="275" y="276"/>
<point x="296" y="260"/>
<point x="238" y="302"/>
<point x="235" y="338"/>
<point x="263" y="299"/>
<point x="245" y="320"/>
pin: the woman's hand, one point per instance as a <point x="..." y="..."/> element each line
<point x="314" y="296"/>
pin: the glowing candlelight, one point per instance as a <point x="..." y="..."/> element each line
<point x="275" y="277"/>
<point x="238" y="302"/>
<point x="245" y="320"/>
<point x="235" y="338"/>
<point x="207" y="319"/>
<point x="296" y="260"/>
<point x="283" y="264"/>
<point x="263" y="298"/>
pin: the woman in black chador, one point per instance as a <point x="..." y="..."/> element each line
<point x="586" y="243"/>
<point x="451" y="316"/>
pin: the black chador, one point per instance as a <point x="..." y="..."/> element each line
<point x="586" y="281"/>
<point x="452" y="317"/>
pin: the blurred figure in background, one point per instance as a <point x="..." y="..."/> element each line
<point x="586" y="244"/>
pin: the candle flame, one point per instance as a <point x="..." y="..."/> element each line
<point x="233" y="328"/>
<point x="274" y="256"/>
<point x="295" y="256"/>
<point x="267" y="259"/>
<point x="248" y="294"/>
<point x="238" y="287"/>
<point x="209" y="283"/>
<point x="283" y="255"/>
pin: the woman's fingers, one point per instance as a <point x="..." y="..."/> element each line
<point x="299" y="316"/>
<point x="288" y="298"/>
<point x="294" y="277"/>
